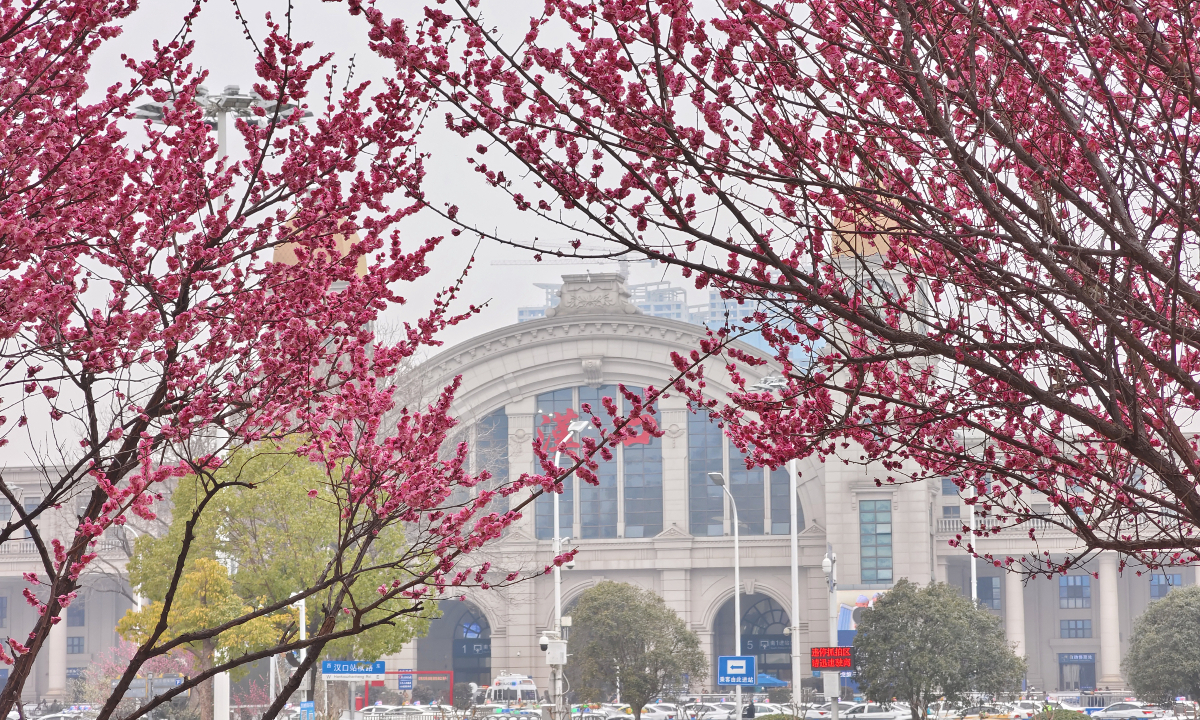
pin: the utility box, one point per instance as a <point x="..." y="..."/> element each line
<point x="833" y="684"/>
<point x="556" y="652"/>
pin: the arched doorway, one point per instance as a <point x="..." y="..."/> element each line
<point x="763" y="623"/>
<point x="460" y="640"/>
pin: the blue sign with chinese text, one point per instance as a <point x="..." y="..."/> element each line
<point x="736" y="670"/>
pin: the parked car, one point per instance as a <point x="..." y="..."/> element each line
<point x="667" y="709"/>
<point x="843" y="707"/>
<point x="876" y="711"/>
<point x="943" y="709"/>
<point x="654" y="712"/>
<point x="705" y="711"/>
<point x="1024" y="709"/>
<point x="1128" y="711"/>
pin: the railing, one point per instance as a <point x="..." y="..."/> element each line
<point x="954" y="526"/>
<point x="949" y="526"/>
<point x="18" y="547"/>
<point x="27" y="547"/>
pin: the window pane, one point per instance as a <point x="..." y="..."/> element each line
<point x="549" y="422"/>
<point x="643" y="489"/>
<point x="75" y="613"/>
<point x="781" y="507"/>
<point x="875" y="540"/>
<point x="598" y="503"/>
<point x="706" y="507"/>
<point x="747" y="485"/>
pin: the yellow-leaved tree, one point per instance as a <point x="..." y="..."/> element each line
<point x="206" y="599"/>
<point x="271" y="530"/>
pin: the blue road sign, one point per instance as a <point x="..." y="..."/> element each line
<point x="308" y="710"/>
<point x="406" y="680"/>
<point x="736" y="670"/>
<point x="353" y="670"/>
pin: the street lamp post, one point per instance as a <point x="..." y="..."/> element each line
<point x="719" y="480"/>
<point x="793" y="482"/>
<point x="773" y="384"/>
<point x="829" y="567"/>
<point x="574" y="429"/>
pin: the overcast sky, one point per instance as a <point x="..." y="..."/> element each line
<point x="222" y="50"/>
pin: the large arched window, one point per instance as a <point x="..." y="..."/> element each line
<point x="627" y="500"/>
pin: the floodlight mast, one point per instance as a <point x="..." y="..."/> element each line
<point x="217" y="109"/>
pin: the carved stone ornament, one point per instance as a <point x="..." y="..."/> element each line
<point x="593" y="371"/>
<point x="593" y="294"/>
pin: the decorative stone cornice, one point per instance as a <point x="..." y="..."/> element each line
<point x="672" y="334"/>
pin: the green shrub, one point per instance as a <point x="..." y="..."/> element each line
<point x="1060" y="714"/>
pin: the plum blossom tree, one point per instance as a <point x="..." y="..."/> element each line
<point x="163" y="306"/>
<point x="968" y="228"/>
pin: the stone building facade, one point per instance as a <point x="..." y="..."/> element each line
<point x="657" y="522"/>
<point x="89" y="625"/>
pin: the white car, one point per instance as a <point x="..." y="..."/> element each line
<point x="1026" y="708"/>
<point x="843" y="708"/>
<point x="705" y="711"/>
<point x="667" y="709"/>
<point x="1128" y="711"/>
<point x="877" y="711"/>
<point x="655" y="712"/>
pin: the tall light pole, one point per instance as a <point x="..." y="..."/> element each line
<point x="829" y="567"/>
<point x="793" y="483"/>
<point x="217" y="108"/>
<point x="574" y="428"/>
<point x="772" y="384"/>
<point x="719" y="480"/>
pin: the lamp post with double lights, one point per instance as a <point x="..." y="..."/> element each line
<point x="574" y="429"/>
<point x="779" y="384"/>
<point x="719" y="480"/>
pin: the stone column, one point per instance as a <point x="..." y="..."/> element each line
<point x="707" y="646"/>
<point x="56" y="655"/>
<point x="520" y="456"/>
<point x="675" y="456"/>
<point x="1014" y="612"/>
<point x="1110" y="624"/>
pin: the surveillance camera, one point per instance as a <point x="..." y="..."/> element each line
<point x="570" y="564"/>
<point x="544" y="642"/>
